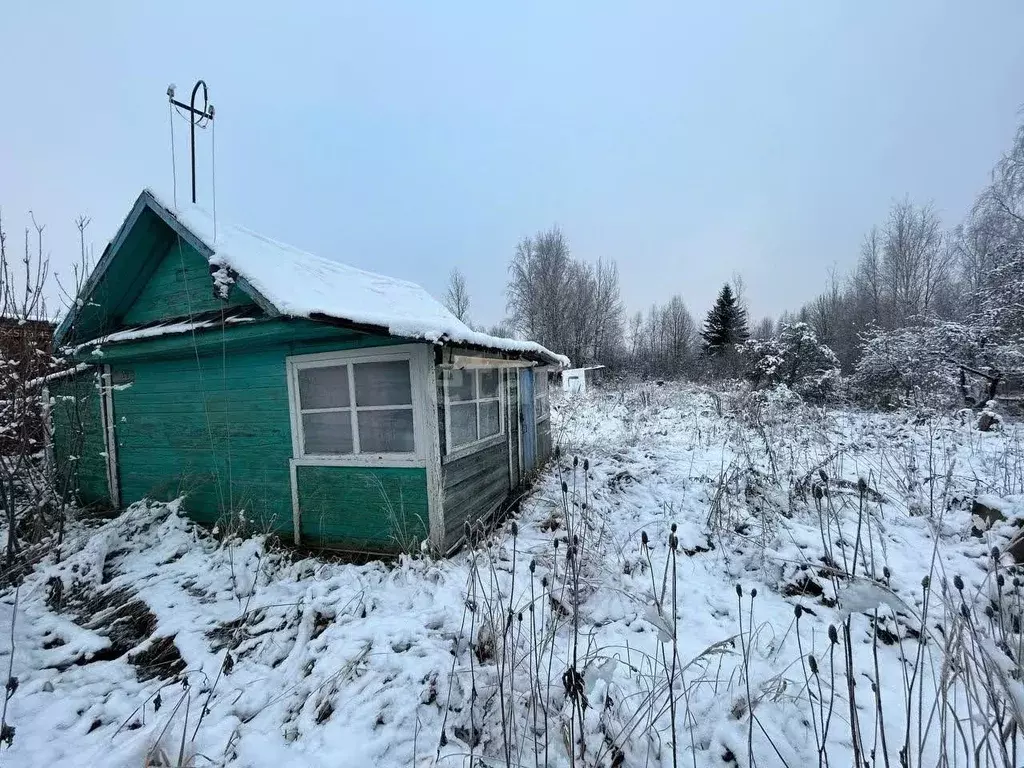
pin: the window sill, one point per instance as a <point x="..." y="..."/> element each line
<point x="360" y="460"/>
<point x="468" y="450"/>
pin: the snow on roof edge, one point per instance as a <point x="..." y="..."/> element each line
<point x="334" y="289"/>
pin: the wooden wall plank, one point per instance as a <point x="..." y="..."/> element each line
<point x="78" y="445"/>
<point x="544" y="446"/>
<point x="473" y="486"/>
<point x="372" y="509"/>
<point x="515" y="428"/>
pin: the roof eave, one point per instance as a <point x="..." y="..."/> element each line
<point x="380" y="330"/>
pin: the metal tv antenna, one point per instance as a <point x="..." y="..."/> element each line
<point x="197" y="118"/>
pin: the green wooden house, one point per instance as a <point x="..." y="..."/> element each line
<point x="307" y="397"/>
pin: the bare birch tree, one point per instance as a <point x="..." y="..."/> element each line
<point x="664" y="343"/>
<point x="565" y="304"/>
<point x="608" y="309"/>
<point x="763" y="329"/>
<point x="914" y="263"/>
<point x="868" y="280"/>
<point x="635" y="332"/>
<point x="996" y="237"/>
<point x="456" y="298"/>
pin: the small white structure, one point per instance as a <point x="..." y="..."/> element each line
<point x="576" y="380"/>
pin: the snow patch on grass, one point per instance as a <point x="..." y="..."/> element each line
<point x="614" y="624"/>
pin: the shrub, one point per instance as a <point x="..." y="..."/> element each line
<point x="907" y="366"/>
<point x="795" y="359"/>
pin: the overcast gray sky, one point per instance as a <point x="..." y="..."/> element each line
<point x="684" y="140"/>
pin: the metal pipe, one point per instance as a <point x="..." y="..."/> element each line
<point x="192" y="124"/>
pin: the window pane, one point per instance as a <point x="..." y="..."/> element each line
<point x="463" y="423"/>
<point x="489" y="383"/>
<point x="323" y="387"/>
<point x="386" y="431"/>
<point x="327" y="433"/>
<point x="383" y="383"/>
<point x="460" y="385"/>
<point x="490" y="418"/>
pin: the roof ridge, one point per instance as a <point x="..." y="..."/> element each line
<point x="297" y="283"/>
<point x="176" y="211"/>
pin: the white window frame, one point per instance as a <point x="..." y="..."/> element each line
<point x="416" y="357"/>
<point x="541" y="414"/>
<point x="452" y="452"/>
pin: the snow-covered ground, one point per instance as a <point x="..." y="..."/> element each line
<point x="563" y="638"/>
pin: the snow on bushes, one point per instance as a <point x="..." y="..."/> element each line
<point x="794" y="358"/>
<point x="911" y="366"/>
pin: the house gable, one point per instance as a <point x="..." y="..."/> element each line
<point x="154" y="269"/>
<point x="180" y="286"/>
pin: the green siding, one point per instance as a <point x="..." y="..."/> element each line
<point x="373" y="509"/>
<point x="78" y="449"/>
<point x="180" y="286"/>
<point x="220" y="435"/>
<point x="218" y="430"/>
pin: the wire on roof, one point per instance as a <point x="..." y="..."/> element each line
<point x="202" y="389"/>
<point x="213" y="165"/>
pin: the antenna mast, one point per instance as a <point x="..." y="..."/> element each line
<point x="196" y="117"/>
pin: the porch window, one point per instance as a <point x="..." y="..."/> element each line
<point x="352" y="408"/>
<point x="541" y="403"/>
<point x="473" y="412"/>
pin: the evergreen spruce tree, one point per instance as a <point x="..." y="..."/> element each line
<point x="726" y="324"/>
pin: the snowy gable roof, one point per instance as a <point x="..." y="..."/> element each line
<point x="299" y="284"/>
